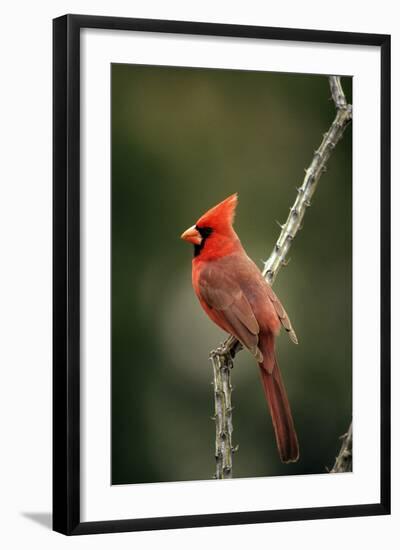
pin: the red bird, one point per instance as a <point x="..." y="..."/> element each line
<point x="235" y="295"/>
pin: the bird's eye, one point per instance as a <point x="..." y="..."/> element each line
<point x="204" y="231"/>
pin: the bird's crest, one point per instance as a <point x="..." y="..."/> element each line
<point x="220" y="215"/>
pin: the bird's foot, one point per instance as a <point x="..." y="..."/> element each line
<point x="223" y="350"/>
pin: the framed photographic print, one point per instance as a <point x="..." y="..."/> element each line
<point x="221" y="222"/>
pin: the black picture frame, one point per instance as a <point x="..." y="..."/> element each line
<point x="66" y="273"/>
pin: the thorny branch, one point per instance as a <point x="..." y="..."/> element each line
<point x="337" y="93"/>
<point x="222" y="358"/>
<point x="344" y="460"/>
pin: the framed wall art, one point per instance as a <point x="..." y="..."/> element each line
<point x="221" y="274"/>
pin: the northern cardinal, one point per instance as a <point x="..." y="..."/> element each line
<point x="235" y="295"/>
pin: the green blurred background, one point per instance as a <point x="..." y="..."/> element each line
<point x="182" y="140"/>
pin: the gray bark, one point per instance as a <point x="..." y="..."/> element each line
<point x="344" y="460"/>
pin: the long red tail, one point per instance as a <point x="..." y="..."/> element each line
<point x="279" y="407"/>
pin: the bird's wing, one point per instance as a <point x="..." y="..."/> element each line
<point x="283" y="316"/>
<point x="223" y="294"/>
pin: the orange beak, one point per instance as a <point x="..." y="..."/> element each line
<point x="191" y="235"/>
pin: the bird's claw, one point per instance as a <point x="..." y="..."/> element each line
<point x="222" y="350"/>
